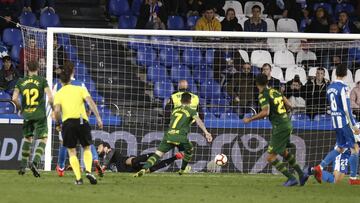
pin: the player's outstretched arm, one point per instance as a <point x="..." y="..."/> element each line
<point x="50" y="97"/>
<point x="201" y="124"/>
<point x="94" y="109"/>
<point x="15" y="99"/>
<point x="263" y="113"/>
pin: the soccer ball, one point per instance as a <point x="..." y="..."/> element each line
<point x="221" y="159"/>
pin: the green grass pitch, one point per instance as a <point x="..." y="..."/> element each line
<point x="168" y="187"/>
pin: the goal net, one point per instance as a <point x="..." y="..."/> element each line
<point x="132" y="73"/>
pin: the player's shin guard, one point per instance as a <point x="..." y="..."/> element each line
<point x="151" y="161"/>
<point x="62" y="156"/>
<point x="290" y="158"/>
<point x="354" y="162"/>
<point x="328" y="177"/>
<point x="280" y="166"/>
<point x="330" y="157"/>
<point x="25" y="153"/>
<point x="88" y="160"/>
<point x="40" y="149"/>
<point x="95" y="156"/>
<point x="74" y="162"/>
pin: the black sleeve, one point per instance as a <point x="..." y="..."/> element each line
<point x="108" y="158"/>
<point x="201" y="112"/>
<point x="168" y="107"/>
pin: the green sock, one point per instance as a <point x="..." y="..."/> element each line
<point x="280" y="166"/>
<point x="39" y="152"/>
<point x="25" y="153"/>
<point x="151" y="161"/>
<point x="292" y="162"/>
<point x="186" y="160"/>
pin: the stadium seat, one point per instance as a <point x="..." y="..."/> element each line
<point x="7" y="108"/>
<point x="180" y="72"/>
<point x="160" y="42"/>
<point x="277" y="73"/>
<point x="235" y="5"/>
<point x="12" y="36"/>
<point x="192" y="86"/>
<point x="312" y="72"/>
<point x="146" y="56"/>
<point x="295" y="70"/>
<point x="348" y="8"/>
<point x="230" y="116"/>
<point x="210" y="89"/>
<point x="63" y="39"/>
<point x="348" y="80"/>
<point x="326" y="6"/>
<point x="248" y="6"/>
<point x="191" y="22"/>
<point x="192" y="56"/>
<point x="322" y="117"/>
<point x="203" y="72"/>
<point x="135" y="7"/>
<point x="28" y="19"/>
<point x="137" y="41"/>
<point x="286" y="25"/>
<point x="305" y="56"/>
<point x="209" y="56"/>
<point x="357" y="76"/>
<point x="300" y="117"/>
<point x="276" y="44"/>
<point x="127" y="22"/>
<point x="284" y="58"/>
<point x="209" y="116"/>
<point x="169" y="56"/>
<point x="163" y="89"/>
<point x="71" y="52"/>
<point x="294" y="45"/>
<point x="303" y="25"/>
<point x="156" y="73"/>
<point x="270" y="25"/>
<point x="241" y="20"/>
<point x="49" y="19"/>
<point x="119" y="7"/>
<point x="80" y="69"/>
<point x="354" y="54"/>
<point x="218" y="106"/>
<point x="4" y="95"/>
<point x="259" y="57"/>
<point x="244" y="55"/>
<point x="15" y="52"/>
<point x="175" y="23"/>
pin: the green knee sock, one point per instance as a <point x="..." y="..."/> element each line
<point x="280" y="166"/>
<point x="292" y="162"/>
<point x="25" y="153"/>
<point x="185" y="161"/>
<point x="39" y="152"/>
<point x="151" y="161"/>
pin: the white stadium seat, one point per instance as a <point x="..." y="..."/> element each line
<point x="277" y="73"/>
<point x="357" y="76"/>
<point x="305" y="56"/>
<point x="241" y="20"/>
<point x="295" y="70"/>
<point x="284" y="59"/>
<point x="286" y="25"/>
<point x="276" y="44"/>
<point x="248" y="6"/>
<point x="235" y="5"/>
<point x="312" y="72"/>
<point x="244" y="55"/>
<point x="270" y="25"/>
<point x="294" y="45"/>
<point x="348" y="80"/>
<point x="259" y="57"/>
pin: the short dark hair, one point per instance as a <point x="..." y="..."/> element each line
<point x="105" y="144"/>
<point x="33" y="65"/>
<point x="343" y="12"/>
<point x="256" y="6"/>
<point x="228" y="10"/>
<point x="6" y="58"/>
<point x="320" y="68"/>
<point x="261" y="80"/>
<point x="66" y="72"/>
<point x="266" y="64"/>
<point x="186" y="98"/>
<point x="209" y="7"/>
<point x="341" y="70"/>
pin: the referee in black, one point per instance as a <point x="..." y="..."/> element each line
<point x="69" y="105"/>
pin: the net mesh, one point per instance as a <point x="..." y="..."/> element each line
<point x="131" y="79"/>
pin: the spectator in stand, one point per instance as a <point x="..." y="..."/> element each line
<point x="321" y="22"/>
<point x="59" y="56"/>
<point x="216" y="5"/>
<point x="334" y="28"/>
<point x="9" y="11"/>
<point x="355" y="99"/>
<point x="37" y="6"/>
<point x="293" y="92"/>
<point x="3" y="50"/>
<point x="150" y="10"/>
<point x="306" y="19"/>
<point x="208" y="22"/>
<point x="194" y="7"/>
<point x="175" y="7"/>
<point x="283" y="9"/>
<point x="255" y="24"/>
<point x="8" y="75"/>
<point x="345" y="24"/>
<point x="314" y="93"/>
<point x="33" y="53"/>
<point x="230" y="22"/>
<point x="273" y="82"/>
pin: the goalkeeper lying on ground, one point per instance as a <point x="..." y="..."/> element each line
<point x="116" y="162"/>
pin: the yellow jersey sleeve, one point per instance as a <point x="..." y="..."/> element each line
<point x="84" y="93"/>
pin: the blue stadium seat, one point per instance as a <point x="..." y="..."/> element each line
<point x="326" y="6"/>
<point x="159" y="42"/>
<point x="12" y="36"/>
<point x="7" y="108"/>
<point x="209" y="56"/>
<point x="80" y="69"/>
<point x="348" y="8"/>
<point x="354" y="54"/>
<point x="192" y="86"/>
<point x="137" y="45"/>
<point x="135" y="7"/>
<point x="156" y="73"/>
<point x="4" y="95"/>
<point x="191" y="21"/>
<point x="169" y="56"/>
<point x="28" y="19"/>
<point x="209" y="116"/>
<point x="210" y="89"/>
<point x="71" y="51"/>
<point x="230" y="116"/>
<point x="203" y="72"/>
<point x="119" y="7"/>
<point x="218" y="106"/>
<point x="146" y="56"/>
<point x="127" y="22"/>
<point x="163" y="89"/>
<point x="175" y="23"/>
<point x="300" y="117"/>
<point x="49" y="19"/>
<point x="63" y="39"/>
<point x="192" y="56"/>
<point x="322" y="117"/>
<point x="302" y="25"/>
<point x="15" y="52"/>
<point x="180" y="72"/>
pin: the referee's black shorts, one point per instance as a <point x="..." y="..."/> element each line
<point x="73" y="132"/>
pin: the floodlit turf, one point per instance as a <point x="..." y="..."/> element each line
<point x="167" y="188"/>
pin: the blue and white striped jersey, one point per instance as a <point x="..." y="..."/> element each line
<point x="338" y="97"/>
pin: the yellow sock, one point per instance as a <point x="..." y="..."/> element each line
<point x="74" y="162"/>
<point x="88" y="159"/>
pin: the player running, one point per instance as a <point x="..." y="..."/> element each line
<point x="33" y="89"/>
<point x="272" y="104"/>
<point x="344" y="125"/>
<point x="176" y="135"/>
<point x="116" y="162"/>
<point x="70" y="107"/>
